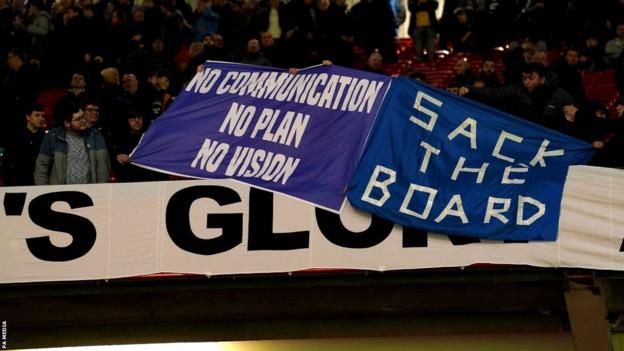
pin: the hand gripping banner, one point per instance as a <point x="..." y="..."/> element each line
<point x="442" y="163"/>
<point x="300" y="135"/>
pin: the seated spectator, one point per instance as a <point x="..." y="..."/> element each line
<point x="23" y="148"/>
<point x="72" y="153"/>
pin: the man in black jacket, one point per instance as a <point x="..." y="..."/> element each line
<point x="23" y="148"/>
<point x="534" y="100"/>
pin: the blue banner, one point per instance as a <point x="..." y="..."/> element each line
<point x="442" y="163"/>
<point x="300" y="135"/>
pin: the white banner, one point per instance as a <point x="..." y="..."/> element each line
<point x="54" y="233"/>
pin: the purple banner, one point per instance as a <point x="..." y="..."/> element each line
<point x="300" y="135"/>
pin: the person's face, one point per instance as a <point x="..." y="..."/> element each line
<point x="13" y="61"/>
<point x="462" y="17"/>
<point x="218" y="40"/>
<point x="162" y="82"/>
<point x="77" y="81"/>
<point x="532" y="81"/>
<point x="571" y="57"/>
<point x="78" y="123"/>
<point x="374" y="61"/>
<point x="460" y="67"/>
<point x="273" y="3"/>
<point x="489" y="67"/>
<point x="157" y="45"/>
<point x="32" y="11"/>
<point x="36" y="119"/>
<point x="267" y="39"/>
<point x="138" y="16"/>
<point x="135" y="124"/>
<point x="91" y="114"/>
<point x="620" y="31"/>
<point x="253" y="46"/>
<point x="323" y="5"/>
<point x="619" y="110"/>
<point x="130" y="84"/>
<point x="207" y="41"/>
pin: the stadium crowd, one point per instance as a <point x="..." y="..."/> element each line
<point x="121" y="63"/>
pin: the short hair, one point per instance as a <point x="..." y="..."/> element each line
<point x="37" y="3"/>
<point x="570" y="48"/>
<point x="161" y="73"/>
<point x="34" y="107"/>
<point x="535" y="67"/>
<point x="412" y="73"/>
<point x="67" y="112"/>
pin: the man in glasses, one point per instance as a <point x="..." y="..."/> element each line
<point x="72" y="153"/>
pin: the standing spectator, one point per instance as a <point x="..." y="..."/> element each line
<point x="72" y="153"/>
<point x="488" y="74"/>
<point x="615" y="46"/>
<point x="22" y="151"/>
<point x="19" y="90"/>
<point x="464" y="76"/>
<point x="423" y="27"/>
<point x="272" y="50"/>
<point x="206" y="21"/>
<point x="462" y="33"/>
<point x="346" y="32"/>
<point x="569" y="75"/>
<point x="379" y="36"/>
<point x="123" y="145"/>
<point x="590" y="56"/>
<point x="533" y="100"/>
<point x="299" y="33"/>
<point x="39" y="27"/>
<point x="254" y="55"/>
<point x="273" y="19"/>
<point x="76" y="95"/>
<point x="157" y="94"/>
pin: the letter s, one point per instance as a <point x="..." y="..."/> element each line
<point x="83" y="232"/>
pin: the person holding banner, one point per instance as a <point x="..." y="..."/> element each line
<point x="534" y="100"/>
